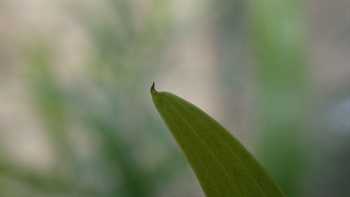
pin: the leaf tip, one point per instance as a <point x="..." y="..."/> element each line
<point x="153" y="90"/>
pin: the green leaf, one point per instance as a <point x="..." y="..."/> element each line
<point x="222" y="165"/>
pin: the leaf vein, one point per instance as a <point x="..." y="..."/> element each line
<point x="195" y="153"/>
<point x="208" y="126"/>
<point x="205" y="144"/>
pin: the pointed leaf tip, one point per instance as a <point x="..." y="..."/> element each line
<point x="153" y="90"/>
<point x="223" y="166"/>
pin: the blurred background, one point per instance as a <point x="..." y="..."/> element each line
<point x="77" y="117"/>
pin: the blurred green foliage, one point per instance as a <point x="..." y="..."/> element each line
<point x="108" y="104"/>
<point x="107" y="100"/>
<point x="107" y="91"/>
<point x="279" y="43"/>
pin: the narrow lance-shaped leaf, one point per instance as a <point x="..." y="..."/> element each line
<point x="221" y="164"/>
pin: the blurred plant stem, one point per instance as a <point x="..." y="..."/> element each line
<point x="279" y="44"/>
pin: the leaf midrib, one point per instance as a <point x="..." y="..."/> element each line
<point x="173" y="123"/>
<point x="205" y="144"/>
<point x="222" y="141"/>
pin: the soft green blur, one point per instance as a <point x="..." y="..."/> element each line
<point x="77" y="117"/>
<point x="279" y="40"/>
